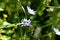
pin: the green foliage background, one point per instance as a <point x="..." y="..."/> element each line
<point x="46" y="18"/>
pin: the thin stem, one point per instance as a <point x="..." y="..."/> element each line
<point x="46" y="25"/>
<point x="22" y="8"/>
<point x="17" y="12"/>
<point x="54" y="6"/>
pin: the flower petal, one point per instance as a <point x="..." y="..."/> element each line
<point x="31" y="11"/>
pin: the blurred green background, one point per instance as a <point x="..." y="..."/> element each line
<point x="47" y="16"/>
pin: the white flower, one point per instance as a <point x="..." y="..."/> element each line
<point x="26" y="22"/>
<point x="31" y="11"/>
<point x="56" y="31"/>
